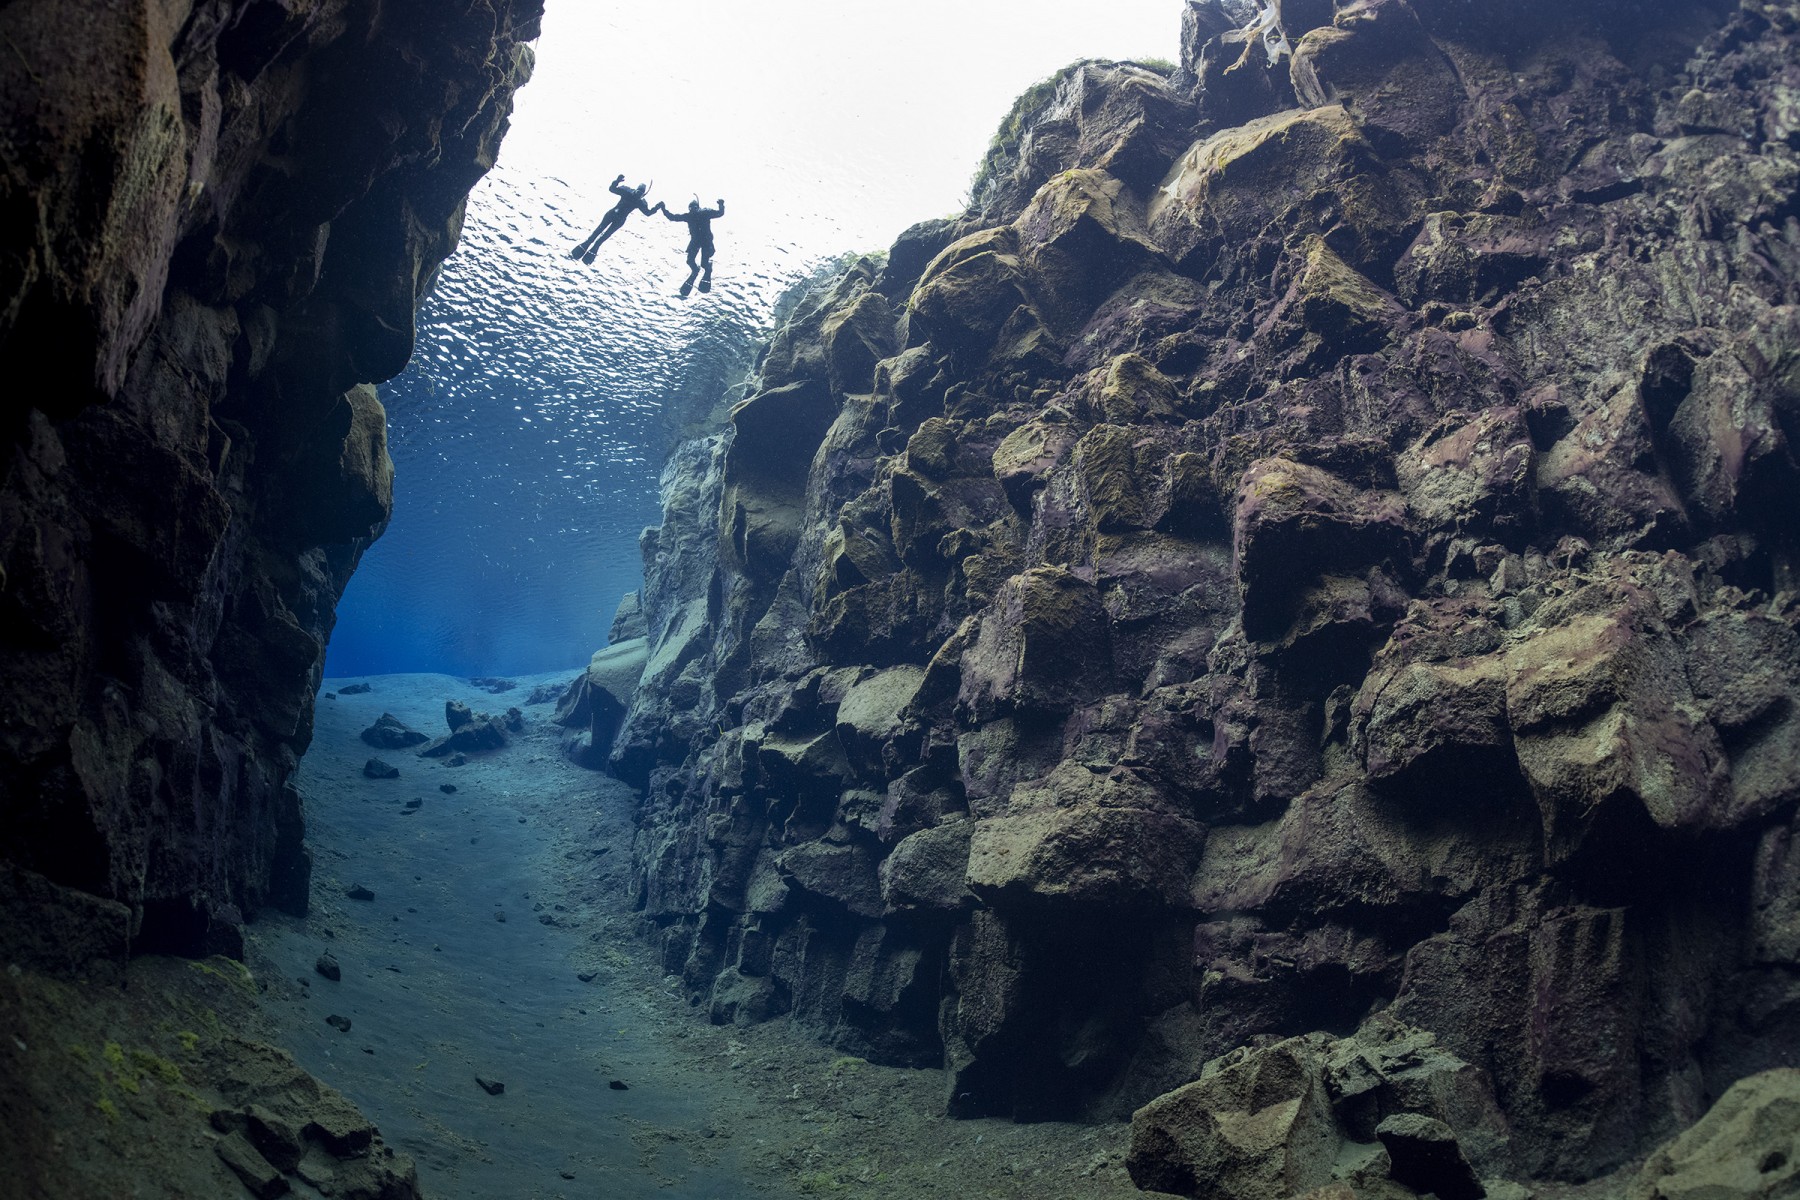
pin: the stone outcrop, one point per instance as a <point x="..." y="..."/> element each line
<point x="1312" y="545"/>
<point x="1307" y="1112"/>
<point x="216" y="219"/>
<point x="1747" y="1145"/>
<point x="592" y="707"/>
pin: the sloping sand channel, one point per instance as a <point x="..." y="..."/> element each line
<point x="466" y="964"/>
<point x="489" y="905"/>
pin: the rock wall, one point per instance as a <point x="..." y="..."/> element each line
<point x="1314" y="544"/>
<point x="216" y="218"/>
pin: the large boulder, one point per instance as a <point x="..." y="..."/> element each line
<point x="1746" y="1147"/>
<point x="1292" y="522"/>
<point x="1254" y="1126"/>
<point x="390" y="733"/>
<point x="593" y="706"/>
<point x="1304" y="1113"/>
<point x="1088" y="857"/>
<point x="1376" y="59"/>
<point x="1042" y="643"/>
<point x="1218" y="192"/>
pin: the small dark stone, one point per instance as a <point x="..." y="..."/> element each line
<point x="447" y="788"/>
<point x="585" y="976"/>
<point x="493" y="687"/>
<point x="567" y="1174"/>
<point x="357" y="891"/>
<point x="331" y="695"/>
<point x="492" y="1087"/>
<point x="376" y="769"/>
<point x="546" y="919"/>
<point x="328" y="967"/>
<point x="457" y="760"/>
<point x="368" y="1049"/>
<point x="478" y="734"/>
<point x="390" y="733"/>
<point x="515" y="720"/>
<point x="355" y="689"/>
<point x="415" y="803"/>
<point x="500" y="916"/>
<point x="619" y="1085"/>
<point x="341" y="1024"/>
<point x="457" y="714"/>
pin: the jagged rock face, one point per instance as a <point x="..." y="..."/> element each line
<point x="1347" y="567"/>
<point x="215" y="221"/>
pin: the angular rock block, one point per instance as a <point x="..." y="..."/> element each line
<point x="390" y="733"/>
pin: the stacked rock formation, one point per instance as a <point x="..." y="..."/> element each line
<point x="1312" y="545"/>
<point x="216" y="219"/>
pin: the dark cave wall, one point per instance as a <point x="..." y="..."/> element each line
<point x="216" y="219"/>
<point x="1311" y="549"/>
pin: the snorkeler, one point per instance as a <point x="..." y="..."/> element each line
<point x="700" y="241"/>
<point x="630" y="200"/>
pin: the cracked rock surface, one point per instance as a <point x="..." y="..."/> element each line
<point x="1312" y="546"/>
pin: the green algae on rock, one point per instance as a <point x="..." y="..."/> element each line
<point x="1334" y="523"/>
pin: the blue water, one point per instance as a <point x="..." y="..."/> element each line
<point x="529" y="430"/>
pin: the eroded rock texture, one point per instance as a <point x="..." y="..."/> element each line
<point x="216" y="218"/>
<point x="1316" y="539"/>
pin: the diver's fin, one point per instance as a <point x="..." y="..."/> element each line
<point x="706" y="285"/>
<point x="588" y="258"/>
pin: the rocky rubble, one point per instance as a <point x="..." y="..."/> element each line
<point x="1307" y="557"/>
<point x="216" y="219"/>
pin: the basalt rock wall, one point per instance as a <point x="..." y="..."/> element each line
<point x="216" y="218"/>
<point x="1312" y="546"/>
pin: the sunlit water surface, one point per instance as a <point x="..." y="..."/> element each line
<point x="527" y="433"/>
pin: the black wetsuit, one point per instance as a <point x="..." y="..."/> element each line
<point x="630" y="200"/>
<point x="700" y="242"/>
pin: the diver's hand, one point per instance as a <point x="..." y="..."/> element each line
<point x="619" y="178"/>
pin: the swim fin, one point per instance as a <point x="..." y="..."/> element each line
<point x="685" y="289"/>
<point x="588" y="258"/>
<point x="706" y="285"/>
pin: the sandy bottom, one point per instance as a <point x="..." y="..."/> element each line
<point x="491" y="902"/>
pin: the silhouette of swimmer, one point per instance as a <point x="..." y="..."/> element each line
<point x="630" y="200"/>
<point x="700" y="241"/>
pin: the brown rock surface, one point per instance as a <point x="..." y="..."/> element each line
<point x="1333" y="512"/>
<point x="217" y="220"/>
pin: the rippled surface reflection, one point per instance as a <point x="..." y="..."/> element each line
<point x="525" y="434"/>
<point x="528" y="431"/>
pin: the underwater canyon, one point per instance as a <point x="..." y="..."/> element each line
<point x="1277" y="625"/>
